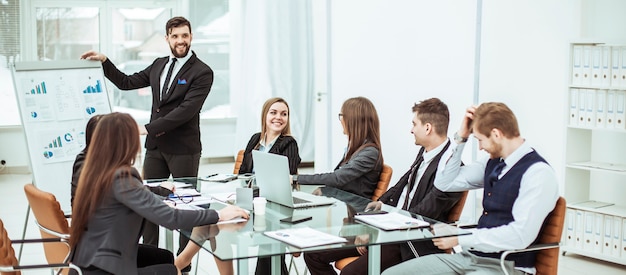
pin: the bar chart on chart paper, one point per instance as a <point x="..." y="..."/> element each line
<point x="55" y="100"/>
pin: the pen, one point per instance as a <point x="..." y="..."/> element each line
<point x="211" y="175"/>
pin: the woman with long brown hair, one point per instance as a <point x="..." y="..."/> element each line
<point x="359" y="170"/>
<point x="111" y="204"/>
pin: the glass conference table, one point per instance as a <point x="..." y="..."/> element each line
<point x="245" y="240"/>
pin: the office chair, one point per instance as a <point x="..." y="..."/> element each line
<point x="238" y="162"/>
<point x="9" y="263"/>
<point x="547" y="261"/>
<point x="51" y="222"/>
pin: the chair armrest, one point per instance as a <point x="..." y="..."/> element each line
<point x="52" y="267"/>
<point x="52" y="232"/>
<point x="6" y="268"/>
<point x="46" y="240"/>
<point x="533" y="247"/>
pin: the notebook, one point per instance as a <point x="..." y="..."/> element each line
<point x="272" y="177"/>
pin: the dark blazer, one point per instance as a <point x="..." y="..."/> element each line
<point x="78" y="166"/>
<point x="427" y="201"/>
<point x="359" y="175"/>
<point x="284" y="145"/>
<point x="111" y="238"/>
<point x="174" y="126"/>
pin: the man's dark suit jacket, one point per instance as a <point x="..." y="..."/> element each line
<point x="427" y="201"/>
<point x="174" y="125"/>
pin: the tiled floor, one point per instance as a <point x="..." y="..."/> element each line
<point x="14" y="205"/>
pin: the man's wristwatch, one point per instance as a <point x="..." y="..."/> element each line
<point x="459" y="139"/>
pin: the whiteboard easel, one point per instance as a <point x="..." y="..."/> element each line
<point x="56" y="99"/>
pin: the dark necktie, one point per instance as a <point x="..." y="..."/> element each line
<point x="493" y="176"/>
<point x="411" y="181"/>
<point x="167" y="79"/>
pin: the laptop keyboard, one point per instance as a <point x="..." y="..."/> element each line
<point x="299" y="201"/>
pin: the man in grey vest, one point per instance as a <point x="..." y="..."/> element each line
<point x="520" y="190"/>
<point x="417" y="191"/>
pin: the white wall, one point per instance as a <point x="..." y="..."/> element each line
<point x="397" y="53"/>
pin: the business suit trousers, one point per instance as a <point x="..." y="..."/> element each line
<point x="459" y="263"/>
<point x="319" y="263"/>
<point x="159" y="165"/>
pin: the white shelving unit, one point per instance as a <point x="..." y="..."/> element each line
<point x="595" y="170"/>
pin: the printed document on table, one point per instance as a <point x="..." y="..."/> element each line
<point x="392" y="221"/>
<point x="304" y="237"/>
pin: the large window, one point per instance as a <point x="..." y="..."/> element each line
<point x="130" y="33"/>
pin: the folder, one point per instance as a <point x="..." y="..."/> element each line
<point x="588" y="237"/>
<point x="582" y="99"/>
<point x="579" y="230"/>
<point x="610" y="109"/>
<point x="590" y="108"/>
<point x="606" y="66"/>
<point x="623" y="245"/>
<point x="600" y="109"/>
<point x="570" y="221"/>
<point x="615" y="66"/>
<point x="598" y="233"/>
<point x="596" y="65"/>
<point x="620" y="115"/>
<point x="586" y="70"/>
<point x="607" y="238"/>
<point x="617" y="237"/>
<point x="573" y="107"/>
<point x="577" y="53"/>
<point x="622" y="67"/>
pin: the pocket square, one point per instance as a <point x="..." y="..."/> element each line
<point x="182" y="81"/>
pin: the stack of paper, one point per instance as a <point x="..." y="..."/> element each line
<point x="392" y="221"/>
<point x="304" y="237"/>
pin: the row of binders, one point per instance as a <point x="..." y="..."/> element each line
<point x="594" y="108"/>
<point x="595" y="232"/>
<point x="599" y="65"/>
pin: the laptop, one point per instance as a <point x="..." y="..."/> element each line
<point x="272" y="177"/>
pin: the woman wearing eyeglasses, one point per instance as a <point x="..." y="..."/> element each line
<point x="112" y="204"/>
<point x="359" y="170"/>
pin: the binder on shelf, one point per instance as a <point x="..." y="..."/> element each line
<point x="600" y="109"/>
<point x="588" y="233"/>
<point x="607" y="238"/>
<point x="598" y="232"/>
<point x="596" y="65"/>
<point x="622" y="67"/>
<point x="620" y="115"/>
<point x="615" y="66"/>
<point x="590" y="108"/>
<point x="617" y="237"/>
<point x="582" y="99"/>
<point x="606" y="66"/>
<point x="622" y="251"/>
<point x="570" y="219"/>
<point x="577" y="53"/>
<point x="573" y="109"/>
<point x="578" y="231"/>
<point x="610" y="109"/>
<point x="586" y="70"/>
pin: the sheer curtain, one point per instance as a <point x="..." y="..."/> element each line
<point x="272" y="55"/>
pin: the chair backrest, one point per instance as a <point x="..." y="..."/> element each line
<point x="383" y="182"/>
<point x="50" y="217"/>
<point x="457" y="209"/>
<point x="7" y="254"/>
<point x="238" y="162"/>
<point x="547" y="262"/>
